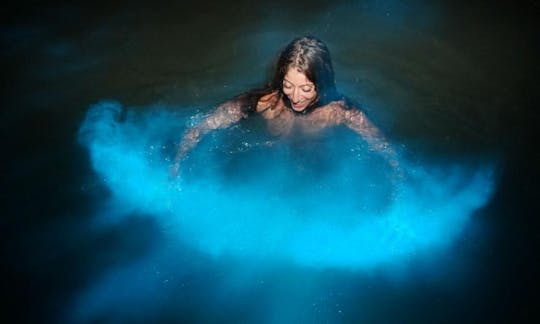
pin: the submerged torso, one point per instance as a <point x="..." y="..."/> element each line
<point x="281" y="120"/>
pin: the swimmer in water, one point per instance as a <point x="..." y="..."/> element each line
<point x="301" y="96"/>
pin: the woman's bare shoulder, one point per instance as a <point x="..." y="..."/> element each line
<point x="338" y="104"/>
<point x="335" y="107"/>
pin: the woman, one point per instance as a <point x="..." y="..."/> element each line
<point x="302" y="96"/>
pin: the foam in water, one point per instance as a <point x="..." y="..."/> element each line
<point x="325" y="203"/>
<point x="320" y="202"/>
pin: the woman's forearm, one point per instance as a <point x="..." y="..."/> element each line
<point x="190" y="140"/>
<point x="224" y="116"/>
<point x="358" y="121"/>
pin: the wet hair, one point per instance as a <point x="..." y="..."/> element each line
<point x="308" y="55"/>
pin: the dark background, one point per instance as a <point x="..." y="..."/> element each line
<point x="457" y="78"/>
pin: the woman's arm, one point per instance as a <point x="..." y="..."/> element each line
<point x="224" y="116"/>
<point x="356" y="120"/>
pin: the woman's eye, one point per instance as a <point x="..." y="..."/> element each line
<point x="307" y="89"/>
<point x="287" y="86"/>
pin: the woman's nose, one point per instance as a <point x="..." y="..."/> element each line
<point x="296" y="95"/>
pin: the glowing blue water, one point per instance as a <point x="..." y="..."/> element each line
<point x="314" y="202"/>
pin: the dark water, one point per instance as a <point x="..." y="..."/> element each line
<point x="450" y="80"/>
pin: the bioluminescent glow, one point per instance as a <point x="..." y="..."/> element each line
<point x="319" y="201"/>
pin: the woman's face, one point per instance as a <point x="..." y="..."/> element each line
<point x="299" y="89"/>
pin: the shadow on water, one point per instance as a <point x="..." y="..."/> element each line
<point x="449" y="80"/>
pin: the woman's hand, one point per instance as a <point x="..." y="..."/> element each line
<point x="174" y="170"/>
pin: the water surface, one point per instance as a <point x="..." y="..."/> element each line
<point x="453" y="83"/>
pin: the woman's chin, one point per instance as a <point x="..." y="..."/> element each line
<point x="299" y="108"/>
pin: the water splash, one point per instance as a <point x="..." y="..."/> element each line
<point x="265" y="205"/>
<point x="314" y="202"/>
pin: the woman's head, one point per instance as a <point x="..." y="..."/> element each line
<point x="305" y="75"/>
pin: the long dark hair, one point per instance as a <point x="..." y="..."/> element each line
<point x="310" y="56"/>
